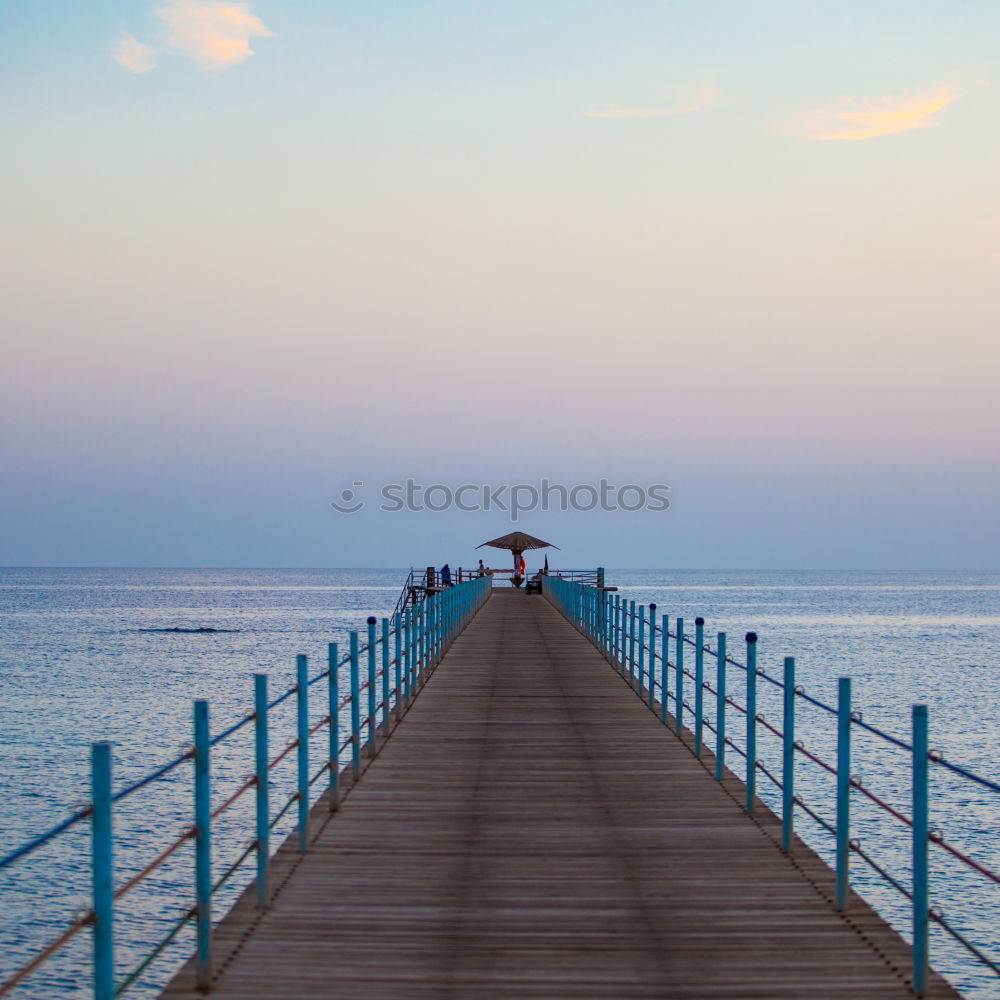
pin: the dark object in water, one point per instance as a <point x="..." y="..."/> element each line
<point x="189" y="631"/>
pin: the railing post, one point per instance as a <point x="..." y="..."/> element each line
<point x="600" y="606"/>
<point x="751" y="638"/>
<point x="444" y="612"/>
<point x="664" y="667"/>
<point x="102" y="871"/>
<point x="432" y="614"/>
<point x="406" y="655"/>
<point x="398" y="649"/>
<point x="372" y="686"/>
<point x="623" y="639"/>
<point x="679" y="675"/>
<point x="600" y="603"/>
<point x="429" y="634"/>
<point x="261" y="788"/>
<point x="333" y="701"/>
<point x="302" y="749"/>
<point x="699" y="684"/>
<point x="355" y="709"/>
<point x="642" y="645"/>
<point x="425" y="634"/>
<point x="422" y="633"/>
<point x="202" y="847"/>
<point x="385" y="677"/>
<point x="720" y="706"/>
<point x="414" y="628"/>
<point x="652" y="656"/>
<point x="609" y="612"/>
<point x="444" y="616"/>
<point x="439" y="629"/>
<point x="843" y="789"/>
<point x="432" y="603"/>
<point x="631" y="642"/>
<point x="616" y="641"/>
<point x="617" y="659"/>
<point x="421" y="615"/>
<point x="449" y="617"/>
<point x="921" y="906"/>
<point x="605" y="620"/>
<point x="788" y="758"/>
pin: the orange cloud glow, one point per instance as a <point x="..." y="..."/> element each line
<point x="869" y="119"/>
<point x="215" y="35"/>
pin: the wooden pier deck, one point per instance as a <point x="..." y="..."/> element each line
<point x="530" y="830"/>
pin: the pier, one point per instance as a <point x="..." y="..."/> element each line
<point x="502" y="794"/>
<point x="531" y="830"/>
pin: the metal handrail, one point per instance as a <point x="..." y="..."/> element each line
<point x="422" y="633"/>
<point x="617" y="627"/>
<point x="404" y="595"/>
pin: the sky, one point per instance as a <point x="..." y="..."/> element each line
<point x="255" y="253"/>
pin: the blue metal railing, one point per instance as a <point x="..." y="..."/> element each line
<point x="618" y="628"/>
<point x="420" y="634"/>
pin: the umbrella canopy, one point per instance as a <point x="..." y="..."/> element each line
<point x="518" y="541"/>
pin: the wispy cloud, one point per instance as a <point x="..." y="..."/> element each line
<point x="868" y="119"/>
<point x="133" y="55"/>
<point x="692" y="100"/>
<point x="215" y="35"/>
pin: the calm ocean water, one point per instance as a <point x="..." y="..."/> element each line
<point x="78" y="664"/>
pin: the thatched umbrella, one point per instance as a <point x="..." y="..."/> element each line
<point x="518" y="543"/>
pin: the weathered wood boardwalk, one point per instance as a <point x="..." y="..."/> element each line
<point x="530" y="830"/>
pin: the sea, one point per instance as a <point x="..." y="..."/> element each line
<point x="91" y="655"/>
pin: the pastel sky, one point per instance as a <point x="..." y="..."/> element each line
<point x="254" y="252"/>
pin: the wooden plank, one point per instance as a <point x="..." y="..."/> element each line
<point x="531" y="830"/>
